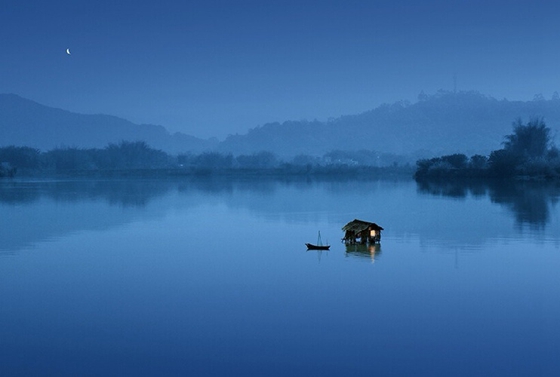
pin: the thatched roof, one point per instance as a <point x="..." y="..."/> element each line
<point x="358" y="226"/>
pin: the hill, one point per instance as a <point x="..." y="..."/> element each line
<point x="444" y="123"/>
<point x="27" y="123"/>
<point x="466" y="122"/>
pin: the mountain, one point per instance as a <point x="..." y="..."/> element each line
<point x="444" y="123"/>
<point x="447" y="122"/>
<point x="27" y="123"/>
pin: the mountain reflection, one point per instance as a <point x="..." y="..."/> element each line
<point x="125" y="193"/>
<point x="35" y="210"/>
<point x="530" y="202"/>
<point x="39" y="210"/>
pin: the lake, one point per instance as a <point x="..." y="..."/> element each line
<point x="210" y="277"/>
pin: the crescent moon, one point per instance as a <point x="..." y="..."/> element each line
<point x="68" y="51"/>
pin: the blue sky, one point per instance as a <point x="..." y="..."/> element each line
<point x="213" y="68"/>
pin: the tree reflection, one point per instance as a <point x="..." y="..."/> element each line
<point x="530" y="202"/>
<point x="454" y="189"/>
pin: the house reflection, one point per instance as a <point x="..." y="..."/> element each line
<point x="369" y="251"/>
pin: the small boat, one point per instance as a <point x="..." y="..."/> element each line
<point x="319" y="245"/>
<point x="310" y="246"/>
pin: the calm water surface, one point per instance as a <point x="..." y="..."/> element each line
<point x="211" y="278"/>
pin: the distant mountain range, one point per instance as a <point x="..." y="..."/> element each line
<point x="447" y="122"/>
<point x="27" y="123"/>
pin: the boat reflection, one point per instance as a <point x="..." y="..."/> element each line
<point x="319" y="252"/>
<point x="370" y="251"/>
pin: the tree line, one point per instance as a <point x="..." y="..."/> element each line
<point x="138" y="155"/>
<point x="528" y="152"/>
<point x="125" y="155"/>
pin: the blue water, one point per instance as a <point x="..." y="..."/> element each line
<point x="211" y="277"/>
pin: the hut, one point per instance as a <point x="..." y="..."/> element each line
<point x="361" y="232"/>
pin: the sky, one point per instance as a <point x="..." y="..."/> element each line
<point x="215" y="68"/>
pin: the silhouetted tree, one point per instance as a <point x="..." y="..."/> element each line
<point x="184" y="159"/>
<point x="502" y="163"/>
<point x="359" y="157"/>
<point x="539" y="97"/>
<point x="259" y="160"/>
<point x="134" y="155"/>
<point x="7" y="170"/>
<point x="422" y="96"/>
<point x="457" y="160"/>
<point x="307" y="160"/>
<point x="212" y="160"/>
<point x="528" y="141"/>
<point x="21" y="157"/>
<point x="478" y="161"/>
<point x="553" y="153"/>
<point x="65" y="159"/>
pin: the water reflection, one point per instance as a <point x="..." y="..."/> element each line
<point x="139" y="192"/>
<point x="125" y="193"/>
<point x="531" y="203"/>
<point x="34" y="211"/>
<point x="319" y="253"/>
<point x="369" y="251"/>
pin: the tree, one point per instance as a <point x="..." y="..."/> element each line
<point x="213" y="161"/>
<point x="478" y="161"/>
<point x="503" y="163"/>
<point x="133" y="155"/>
<point x="457" y="160"/>
<point x="259" y="160"/>
<point x="21" y="157"/>
<point x="65" y="159"/>
<point x="529" y="141"/>
<point x="422" y="96"/>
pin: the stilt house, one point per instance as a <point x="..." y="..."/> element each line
<point x="362" y="232"/>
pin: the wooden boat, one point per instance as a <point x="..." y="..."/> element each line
<point x="319" y="245"/>
<point x="310" y="246"/>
